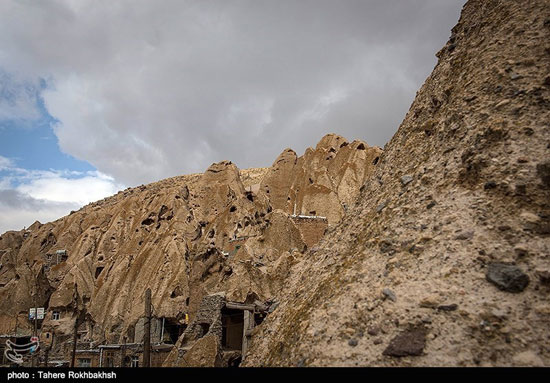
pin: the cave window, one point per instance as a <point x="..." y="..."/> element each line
<point x="361" y="146"/>
<point x="312" y="212"/>
<point x="375" y="160"/>
<point x="187" y="301"/>
<point x="259" y="318"/>
<point x="250" y="197"/>
<point x="84" y="362"/>
<point x="172" y="331"/>
<point x="135" y="361"/>
<point x="109" y="362"/>
<point x="232" y="209"/>
<point x="98" y="271"/>
<point x="56" y="315"/>
<point x="204" y="328"/>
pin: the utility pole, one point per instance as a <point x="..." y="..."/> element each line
<point x="147" y="330"/>
<point x="73" y="359"/>
<point x="35" y="332"/>
<point x="49" y="348"/>
<point x="123" y="353"/>
<point x="78" y="316"/>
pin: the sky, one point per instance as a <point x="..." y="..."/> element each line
<point x="100" y="95"/>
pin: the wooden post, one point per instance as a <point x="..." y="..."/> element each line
<point x="147" y="330"/>
<point x="33" y="363"/>
<point x="73" y="359"/>
<point x="123" y="353"/>
<point x="49" y="348"/>
<point x="248" y="325"/>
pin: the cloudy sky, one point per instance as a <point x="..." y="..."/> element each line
<point x="96" y="96"/>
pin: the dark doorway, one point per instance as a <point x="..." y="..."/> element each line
<point x="232" y="329"/>
<point x="172" y="330"/>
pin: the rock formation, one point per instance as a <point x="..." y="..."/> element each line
<point x="444" y="260"/>
<point x="435" y="252"/>
<point x="185" y="238"/>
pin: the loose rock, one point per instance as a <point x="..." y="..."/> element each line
<point x="507" y="277"/>
<point x="406" y="179"/>
<point x="408" y="343"/>
<point x="387" y="293"/>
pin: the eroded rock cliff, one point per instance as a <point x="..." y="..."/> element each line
<point x="445" y="259"/>
<point x="226" y="230"/>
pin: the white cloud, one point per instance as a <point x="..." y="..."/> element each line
<point x="53" y="187"/>
<point x="5" y="163"/>
<point x="30" y="195"/>
<point x="149" y="89"/>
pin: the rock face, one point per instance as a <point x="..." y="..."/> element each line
<point x="417" y="236"/>
<point x="462" y="185"/>
<point x="325" y="181"/>
<point x="185" y="238"/>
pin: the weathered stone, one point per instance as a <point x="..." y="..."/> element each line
<point x="204" y="353"/>
<point x="430" y="301"/>
<point x="502" y="103"/>
<point x="373" y="331"/>
<point x="451" y="307"/>
<point x="407" y="343"/>
<point x="527" y="359"/>
<point x="465" y="235"/>
<point x="507" y="277"/>
<point x="406" y="179"/>
<point x="387" y="293"/>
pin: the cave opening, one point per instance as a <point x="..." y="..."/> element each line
<point x="232" y="329"/>
<point x="98" y="271"/>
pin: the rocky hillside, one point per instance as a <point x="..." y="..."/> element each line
<point x="445" y="259"/>
<point x="433" y="252"/>
<point x="226" y="230"/>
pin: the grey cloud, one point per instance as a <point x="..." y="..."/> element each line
<point x="145" y="90"/>
<point x="18" y="210"/>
